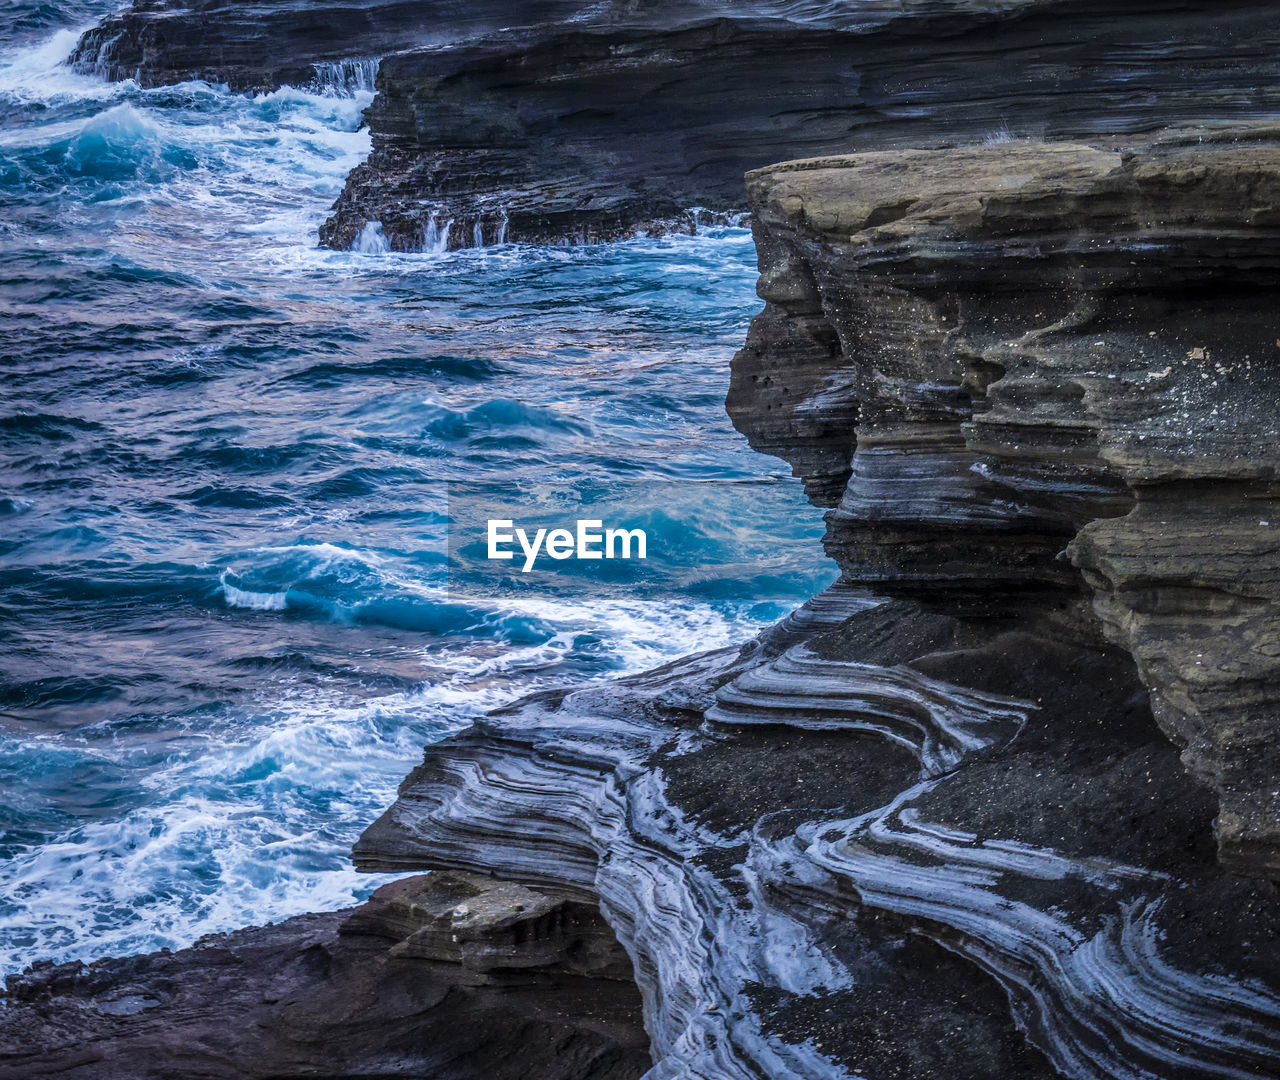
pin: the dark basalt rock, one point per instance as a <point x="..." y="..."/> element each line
<point x="1064" y="361"/>
<point x="261" y="46"/>
<point x="562" y="121"/>
<point x="594" y="132"/>
<point x="449" y="976"/>
<point x="985" y="840"/>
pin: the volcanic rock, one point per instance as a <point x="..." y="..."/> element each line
<point x="448" y="976"/>
<point x="569" y="121"/>
<point x="982" y="858"/>
<point x="1064" y="359"/>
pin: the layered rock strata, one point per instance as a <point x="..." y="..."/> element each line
<point x="594" y="131"/>
<point x="900" y="844"/>
<point x="877" y="842"/>
<point x="1065" y="360"/>
<point x="259" y="47"/>
<point x="447" y="976"/>
<point x="1020" y="819"/>
<point x="561" y="121"/>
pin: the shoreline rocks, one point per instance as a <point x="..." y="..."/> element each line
<point x="566" y="122"/>
<point x="519" y="984"/>
<point x="257" y="48"/>
<point x="604" y="129"/>
<point x="979" y="858"/>
<point x="1064" y="365"/>
<point x="1015" y="815"/>
<point x="796" y="870"/>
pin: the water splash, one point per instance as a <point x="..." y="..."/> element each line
<point x="347" y="78"/>
<point x="435" y="237"/>
<point x="371" y="240"/>
<point x="39" y="73"/>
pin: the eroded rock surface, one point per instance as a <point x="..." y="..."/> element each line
<point x="573" y="121"/>
<point x="618" y="123"/>
<point x="449" y="976"/>
<point x="891" y="844"/>
<point x="255" y="46"/>
<point x="1065" y="360"/>
<point x="1021" y="818"/>
<point x="880" y="841"/>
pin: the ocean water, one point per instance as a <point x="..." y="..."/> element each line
<point x="234" y="468"/>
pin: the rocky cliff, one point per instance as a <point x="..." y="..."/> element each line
<point x="593" y="131"/>
<point x="1003" y="802"/>
<point x="940" y="835"/>
<point x="258" y="47"/>
<point x="1018" y="816"/>
<point x="1064" y="361"/>
<point x="561" y="121"/>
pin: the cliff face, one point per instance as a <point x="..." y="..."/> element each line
<point x="568" y="121"/>
<point x="625" y="121"/>
<point x="1031" y="796"/>
<point x="1065" y="362"/>
<point x="258" y="47"/>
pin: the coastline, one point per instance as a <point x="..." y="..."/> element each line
<point x="1002" y="800"/>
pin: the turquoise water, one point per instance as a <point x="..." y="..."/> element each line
<point x="229" y="608"/>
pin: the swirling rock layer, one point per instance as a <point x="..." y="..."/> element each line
<point x="1064" y="360"/>
<point x="879" y="842"/>
<point x="979" y="860"/>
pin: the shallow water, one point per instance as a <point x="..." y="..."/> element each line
<point x="230" y="610"/>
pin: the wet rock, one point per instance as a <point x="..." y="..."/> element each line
<point x="625" y="120"/>
<point x="255" y="47"/>
<point x="562" y="121"/>
<point x="985" y="840"/>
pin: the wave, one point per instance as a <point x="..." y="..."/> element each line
<point x="37" y="74"/>
<point x="248" y="817"/>
<point x="250" y="600"/>
<point x="506" y="417"/>
<point x="49" y="426"/>
<point x="203" y="700"/>
<point x="329" y="375"/>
